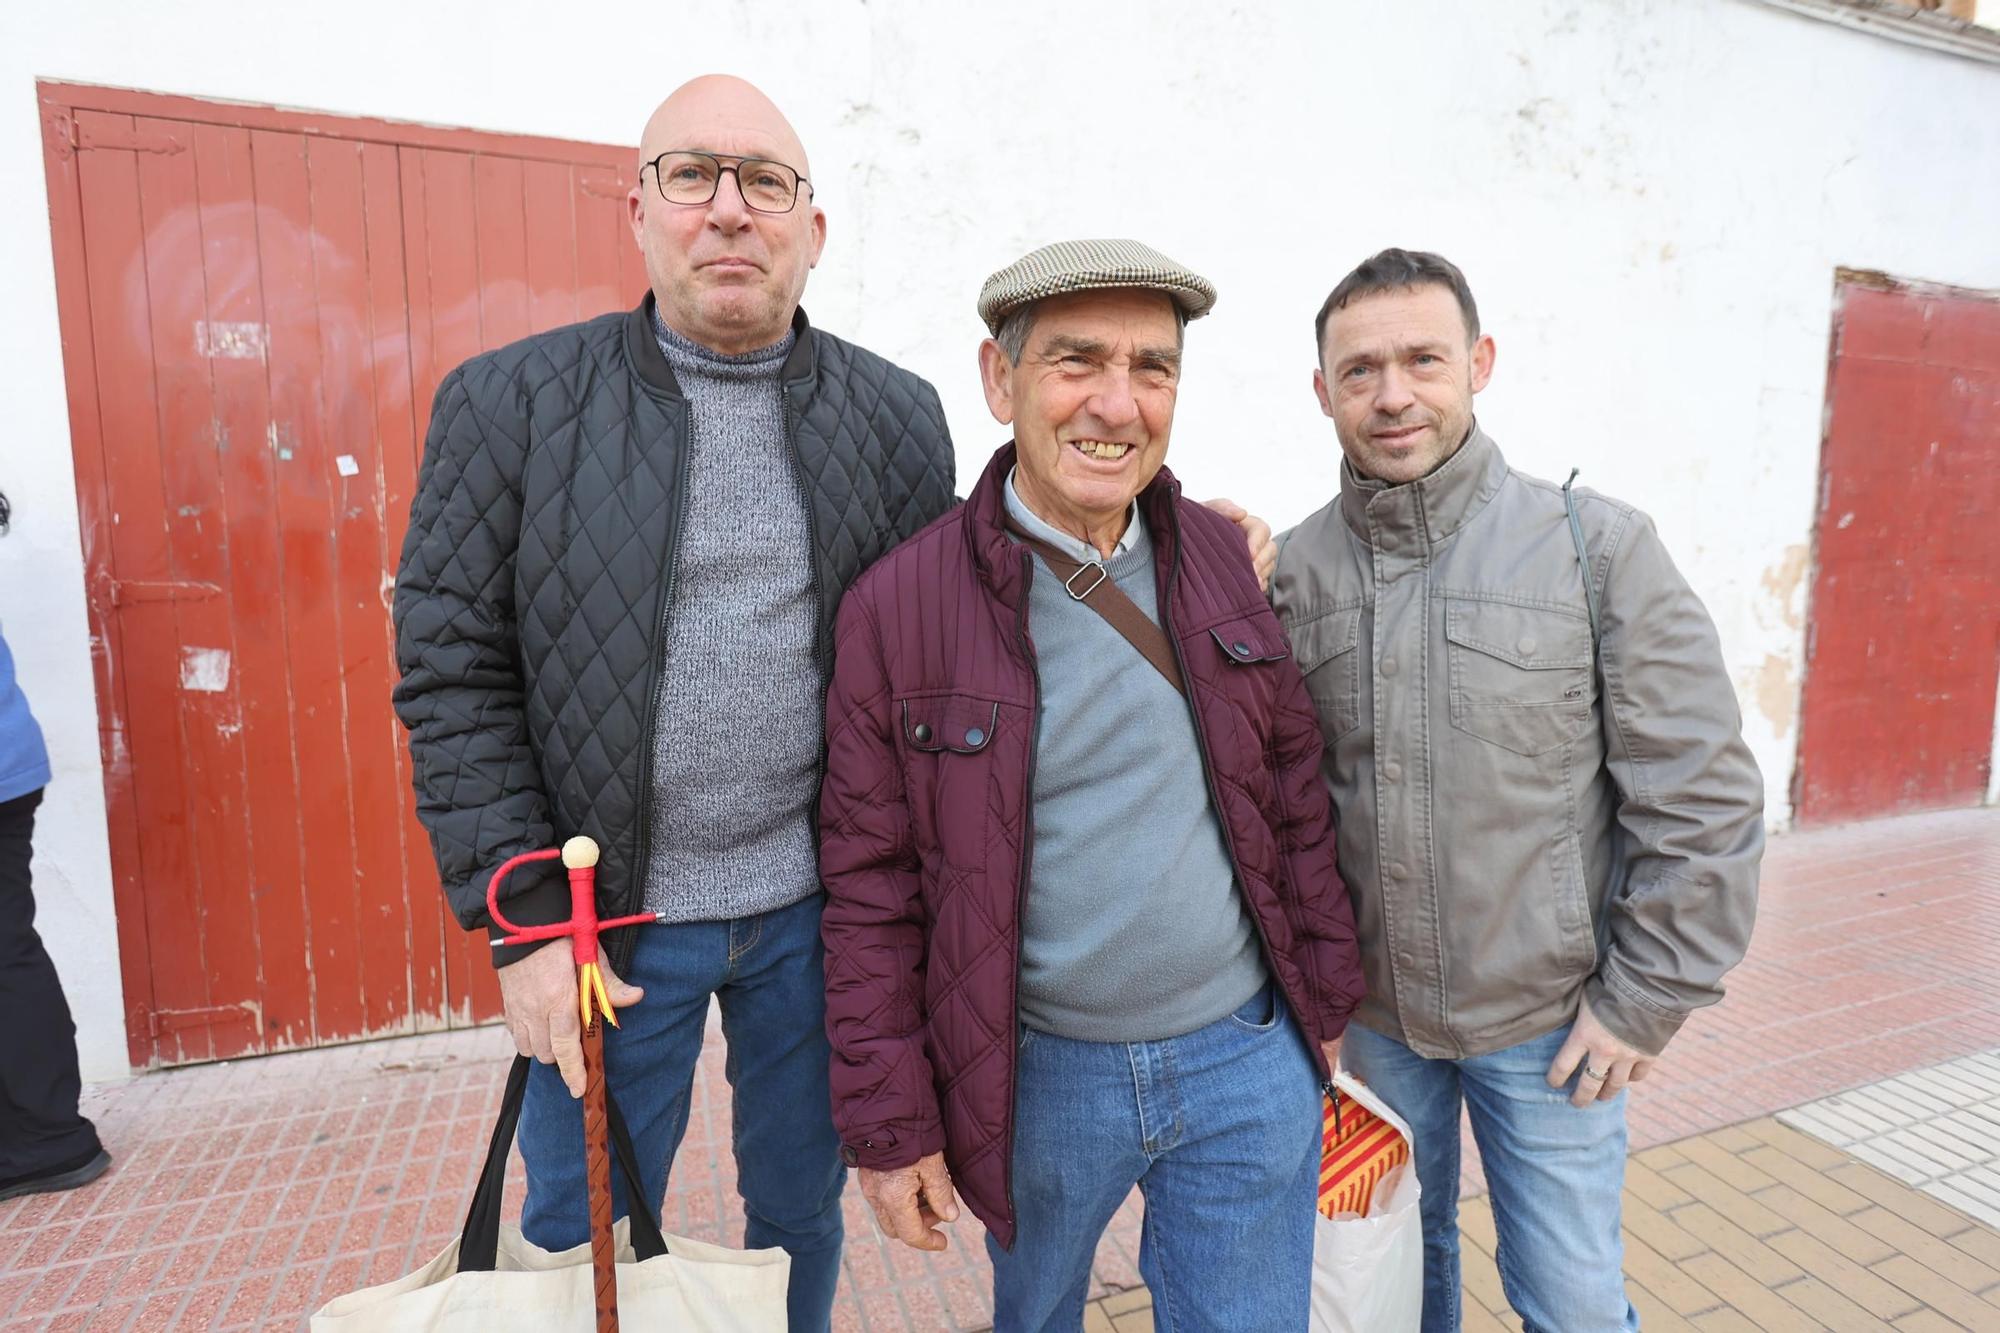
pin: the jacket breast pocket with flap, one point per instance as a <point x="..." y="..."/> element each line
<point x="1251" y="639"/>
<point x="945" y="742"/>
<point x="1325" y="647"/>
<point x="1522" y="677"/>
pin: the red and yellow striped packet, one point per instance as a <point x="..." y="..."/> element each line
<point x="1357" y="1149"/>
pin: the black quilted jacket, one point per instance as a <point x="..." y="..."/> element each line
<point x="537" y="573"/>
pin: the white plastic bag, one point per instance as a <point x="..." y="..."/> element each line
<point x="1368" y="1272"/>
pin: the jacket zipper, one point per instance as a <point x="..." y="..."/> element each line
<point x="1027" y="860"/>
<point x="670" y="569"/>
<point x="1215" y="798"/>
<point x="822" y="655"/>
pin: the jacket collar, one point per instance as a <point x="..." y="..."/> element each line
<point x="997" y="556"/>
<point x="1412" y="518"/>
<point x="650" y="362"/>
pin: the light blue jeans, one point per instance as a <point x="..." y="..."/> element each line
<point x="1219" y="1128"/>
<point x="1556" y="1174"/>
<point x="767" y="972"/>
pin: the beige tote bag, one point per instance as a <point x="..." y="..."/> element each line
<point x="491" y="1280"/>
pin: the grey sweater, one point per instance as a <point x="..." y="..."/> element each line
<point x="1134" y="929"/>
<point x="736" y="749"/>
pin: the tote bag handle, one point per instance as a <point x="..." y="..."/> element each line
<point x="479" y="1243"/>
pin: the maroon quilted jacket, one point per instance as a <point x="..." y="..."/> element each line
<point x="926" y="828"/>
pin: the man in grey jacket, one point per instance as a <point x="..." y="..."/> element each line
<point x="1550" y="823"/>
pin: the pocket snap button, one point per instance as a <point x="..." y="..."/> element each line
<point x="1241" y="649"/>
<point x="974" y="736"/>
<point x="922" y="732"/>
<point x="1527" y="645"/>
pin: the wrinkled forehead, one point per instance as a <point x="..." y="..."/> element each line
<point x="1130" y="316"/>
<point x="730" y="127"/>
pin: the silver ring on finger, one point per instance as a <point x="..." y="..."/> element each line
<point x="1595" y="1075"/>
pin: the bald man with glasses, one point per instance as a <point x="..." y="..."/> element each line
<point x="614" y="618"/>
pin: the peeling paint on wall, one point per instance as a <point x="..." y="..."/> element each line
<point x="1776" y="691"/>
<point x="1783" y="581"/>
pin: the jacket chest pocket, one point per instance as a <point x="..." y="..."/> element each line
<point x="1326" y="648"/>
<point x="947" y="756"/>
<point x="1521" y="677"/>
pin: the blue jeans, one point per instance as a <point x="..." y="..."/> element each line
<point x="768" y="975"/>
<point x="1556" y="1173"/>
<point x="1219" y="1128"/>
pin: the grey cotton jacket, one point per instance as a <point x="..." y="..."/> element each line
<point x="1521" y="819"/>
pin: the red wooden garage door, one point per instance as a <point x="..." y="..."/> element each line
<point x="1904" y="643"/>
<point x="256" y="307"/>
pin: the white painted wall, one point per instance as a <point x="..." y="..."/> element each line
<point x="1650" y="200"/>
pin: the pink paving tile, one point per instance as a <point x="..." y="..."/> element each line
<point x="847" y="1315"/>
<point x="110" y="1317"/>
<point x="156" y="1314"/>
<point x="49" y="1289"/>
<point x="968" y="1300"/>
<point x="100" y="1281"/>
<point x="203" y="1309"/>
<point x="341" y="1276"/>
<point x="883" y="1309"/>
<point x="924" y="1305"/>
<point x="290" y="1301"/>
<point x="186" y="1265"/>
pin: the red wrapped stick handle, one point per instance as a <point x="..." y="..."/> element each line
<point x="579" y="854"/>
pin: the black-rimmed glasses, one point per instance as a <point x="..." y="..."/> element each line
<point x="687" y="177"/>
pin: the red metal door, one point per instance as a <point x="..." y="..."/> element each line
<point x="1904" y="643"/>
<point x="256" y="308"/>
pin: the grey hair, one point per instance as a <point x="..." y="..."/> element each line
<point x="1012" y="335"/>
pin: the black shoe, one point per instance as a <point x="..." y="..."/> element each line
<point x="62" y="1176"/>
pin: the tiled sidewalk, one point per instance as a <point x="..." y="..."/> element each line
<point x="245" y="1194"/>
<point x="1760" y="1229"/>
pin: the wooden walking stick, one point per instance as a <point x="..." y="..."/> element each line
<point x="579" y="856"/>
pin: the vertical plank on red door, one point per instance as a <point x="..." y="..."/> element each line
<point x="631" y="264"/>
<point x="451" y="244"/>
<point x="350" y="468"/>
<point x="142" y="565"/>
<point x="424" y="371"/>
<point x="1900" y="677"/>
<point x="499" y="216"/>
<point x="451" y="234"/>
<point x="81" y="382"/>
<point x="601" y="234"/>
<point x="551" y="244"/>
<point x="427" y="369"/>
<point x="328" y="993"/>
<point x="260" y="944"/>
<point x="210" y="706"/>
<point x="396" y="439"/>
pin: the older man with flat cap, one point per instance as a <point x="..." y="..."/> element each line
<point x="1084" y="929"/>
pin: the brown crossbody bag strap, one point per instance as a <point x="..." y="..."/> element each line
<point x="1092" y="585"/>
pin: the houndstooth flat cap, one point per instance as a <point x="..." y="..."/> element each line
<point x="1078" y="266"/>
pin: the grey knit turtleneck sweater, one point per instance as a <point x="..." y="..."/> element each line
<point x="736" y="750"/>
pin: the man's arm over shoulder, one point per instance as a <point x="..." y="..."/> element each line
<point x="884" y="1103"/>
<point x="1691" y="801"/>
<point x="479" y="790"/>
